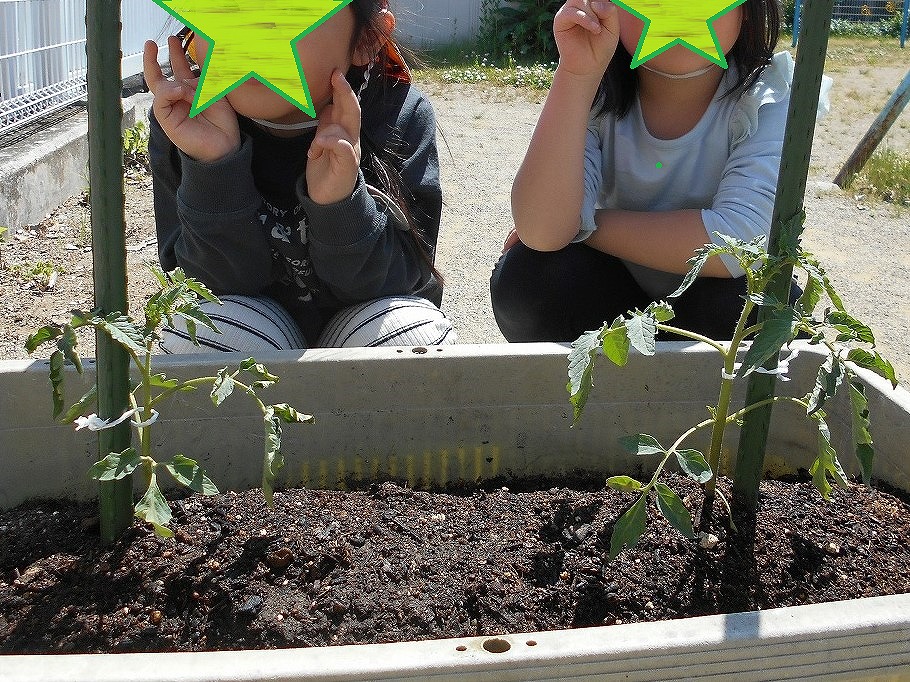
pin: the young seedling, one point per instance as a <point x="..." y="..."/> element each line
<point x="136" y="150"/>
<point x="849" y="343"/>
<point x="178" y="297"/>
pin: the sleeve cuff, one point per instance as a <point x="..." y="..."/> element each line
<point x="225" y="186"/>
<point x="345" y="222"/>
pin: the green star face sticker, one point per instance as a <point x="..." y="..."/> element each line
<point x="252" y="40"/>
<point x="678" y="22"/>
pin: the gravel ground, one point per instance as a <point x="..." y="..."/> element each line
<point x="484" y="132"/>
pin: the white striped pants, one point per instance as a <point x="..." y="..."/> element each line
<point x="255" y="324"/>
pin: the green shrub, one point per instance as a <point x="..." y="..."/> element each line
<point x="523" y="28"/>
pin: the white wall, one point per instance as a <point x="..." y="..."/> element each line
<point x="422" y="23"/>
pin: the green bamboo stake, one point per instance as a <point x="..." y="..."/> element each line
<point x="791" y="190"/>
<point x="105" y="113"/>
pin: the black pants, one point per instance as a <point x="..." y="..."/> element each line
<point x="559" y="295"/>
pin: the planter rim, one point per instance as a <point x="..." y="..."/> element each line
<point x="856" y="639"/>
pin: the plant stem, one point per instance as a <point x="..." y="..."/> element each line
<point x="723" y="401"/>
<point x="166" y="393"/>
<point x="695" y="337"/>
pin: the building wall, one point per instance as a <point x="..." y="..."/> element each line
<point x="425" y="23"/>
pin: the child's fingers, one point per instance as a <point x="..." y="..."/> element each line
<point x="179" y="66"/>
<point x="606" y="13"/>
<point x="151" y="70"/>
<point x="511" y="240"/>
<point x="577" y="13"/>
<point x="345" y="107"/>
<point x="333" y="141"/>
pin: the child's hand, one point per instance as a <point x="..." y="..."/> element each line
<point x="587" y="33"/>
<point x="208" y="136"/>
<point x="334" y="157"/>
<point x="511" y="240"/>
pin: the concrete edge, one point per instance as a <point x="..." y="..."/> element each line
<point x="862" y="639"/>
<point x="43" y="171"/>
<point x="433" y="416"/>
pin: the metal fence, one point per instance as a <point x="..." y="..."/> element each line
<point x="877" y="18"/>
<point x="42" y="53"/>
<point x="42" y="46"/>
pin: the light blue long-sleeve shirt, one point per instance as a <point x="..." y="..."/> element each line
<point x="727" y="166"/>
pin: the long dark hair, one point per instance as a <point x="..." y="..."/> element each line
<point x="751" y="52"/>
<point x="383" y="163"/>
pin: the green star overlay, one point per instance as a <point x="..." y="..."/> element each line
<point x="252" y="39"/>
<point x="678" y="22"/>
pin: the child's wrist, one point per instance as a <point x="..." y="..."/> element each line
<point x="580" y="80"/>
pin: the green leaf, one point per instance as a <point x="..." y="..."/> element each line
<point x="629" y="528"/>
<point x="116" y="465"/>
<point x="661" y="311"/>
<point x="615" y="344"/>
<point x="697" y="262"/>
<point x="815" y="271"/>
<point x="642" y="444"/>
<point x="289" y="415"/>
<point x="624" y="483"/>
<point x="222" y="387"/>
<point x="849" y="327"/>
<point x="827" y="462"/>
<point x="642" y="331"/>
<point x="123" y="330"/>
<point x="194" y="316"/>
<point x="830" y="376"/>
<point x="56" y="377"/>
<point x="789" y="234"/>
<point x="582" y="358"/>
<point x="812" y="294"/>
<point x="187" y="472"/>
<point x="43" y="335"/>
<point x="872" y="360"/>
<point x="161" y="381"/>
<point x="765" y="299"/>
<point x="154" y="509"/>
<point x="273" y="461"/>
<point x="777" y="330"/>
<point x="694" y="465"/>
<point x="862" y="437"/>
<point x="159" y="275"/>
<point x="81" y="407"/>
<point x="258" y="370"/>
<point x="201" y="290"/>
<point x="674" y="510"/>
<point x="67" y="345"/>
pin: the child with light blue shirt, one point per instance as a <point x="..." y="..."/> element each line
<point x="611" y="201"/>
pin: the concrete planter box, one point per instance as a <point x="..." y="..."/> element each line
<point x="474" y="412"/>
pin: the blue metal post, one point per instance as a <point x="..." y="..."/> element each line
<point x="904" y="22"/>
<point x="876" y="133"/>
<point x="796" y="12"/>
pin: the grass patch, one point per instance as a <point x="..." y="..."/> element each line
<point x="462" y="64"/>
<point x="887" y="176"/>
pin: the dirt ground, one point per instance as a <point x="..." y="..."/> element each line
<point x="484" y="131"/>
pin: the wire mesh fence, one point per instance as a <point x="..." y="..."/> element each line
<point x="42" y="53"/>
<point x="859" y="18"/>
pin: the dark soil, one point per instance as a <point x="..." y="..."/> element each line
<point x="389" y="564"/>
